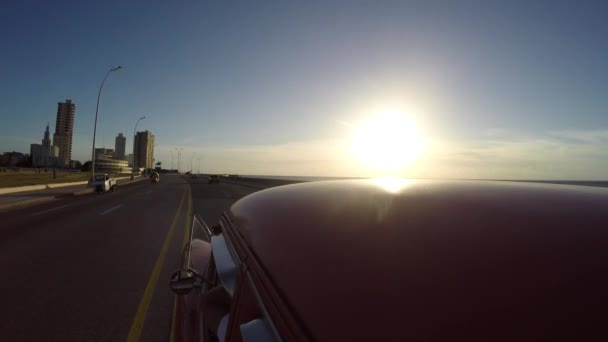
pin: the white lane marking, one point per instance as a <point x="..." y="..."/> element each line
<point x="111" y="209"/>
<point x="49" y="210"/>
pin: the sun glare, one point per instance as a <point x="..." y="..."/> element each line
<point x="392" y="184"/>
<point x="387" y="143"/>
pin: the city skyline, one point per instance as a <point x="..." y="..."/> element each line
<point x="497" y="90"/>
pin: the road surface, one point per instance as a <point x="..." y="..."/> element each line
<point x="96" y="267"/>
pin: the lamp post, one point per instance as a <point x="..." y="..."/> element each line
<point x="171" y="160"/>
<point x="134" y="154"/>
<point x="96" y="113"/>
<point x="179" y="156"/>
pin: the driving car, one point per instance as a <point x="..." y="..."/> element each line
<point x="399" y="260"/>
<point x="154" y="177"/>
<point x="102" y="182"/>
<point x="214" y="179"/>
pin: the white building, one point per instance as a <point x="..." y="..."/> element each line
<point x="42" y="154"/>
<point x="112" y="166"/>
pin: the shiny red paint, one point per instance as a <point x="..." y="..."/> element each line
<point x="187" y="310"/>
<point x="434" y="260"/>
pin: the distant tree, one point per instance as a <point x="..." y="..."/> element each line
<point x="25" y="162"/>
<point x="86" y="166"/>
<point x="77" y="164"/>
<point x="158" y="167"/>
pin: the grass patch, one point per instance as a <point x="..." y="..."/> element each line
<point x="10" y="179"/>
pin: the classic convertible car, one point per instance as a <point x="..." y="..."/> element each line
<point x="400" y="260"/>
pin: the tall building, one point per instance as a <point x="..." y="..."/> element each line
<point x="143" y="152"/>
<point x="46" y="145"/>
<point x="41" y="153"/>
<point x="119" y="146"/>
<point x="64" y="130"/>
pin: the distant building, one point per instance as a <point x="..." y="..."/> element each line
<point x="103" y="153"/>
<point x="112" y="166"/>
<point x="130" y="159"/>
<point x="41" y="153"/>
<point x="55" y="151"/>
<point x="54" y="158"/>
<point x="64" y="130"/>
<point x="38" y="159"/>
<point x="119" y="146"/>
<point x="46" y="146"/>
<point x="144" y="150"/>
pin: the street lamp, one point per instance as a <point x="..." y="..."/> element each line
<point x="96" y="112"/>
<point x="134" y="154"/>
<point x="179" y="156"/>
<point x="171" y="160"/>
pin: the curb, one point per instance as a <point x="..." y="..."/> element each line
<point x="25" y="203"/>
<point x="63" y="185"/>
<point x="131" y="181"/>
<point x="45" y="186"/>
<point x="29" y="202"/>
<point x="22" y="189"/>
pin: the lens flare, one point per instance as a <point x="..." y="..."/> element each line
<point x="388" y="142"/>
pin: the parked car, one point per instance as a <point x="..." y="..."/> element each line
<point x="102" y="182"/>
<point x="214" y="179"/>
<point x="397" y="260"/>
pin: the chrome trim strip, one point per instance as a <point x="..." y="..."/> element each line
<point x="231" y="249"/>
<point x="204" y="225"/>
<point x="258" y="298"/>
<point x="225" y="264"/>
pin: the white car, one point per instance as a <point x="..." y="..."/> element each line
<point x="102" y="182"/>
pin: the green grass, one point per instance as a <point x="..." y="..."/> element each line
<point x="10" y="179"/>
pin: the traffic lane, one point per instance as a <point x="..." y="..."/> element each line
<point x="18" y="220"/>
<point x="106" y="253"/>
<point x="81" y="276"/>
<point x="211" y="200"/>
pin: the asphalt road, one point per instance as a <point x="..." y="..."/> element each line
<point x="95" y="267"/>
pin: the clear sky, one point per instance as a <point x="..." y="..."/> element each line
<point x="498" y="89"/>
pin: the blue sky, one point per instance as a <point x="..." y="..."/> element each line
<point x="500" y="89"/>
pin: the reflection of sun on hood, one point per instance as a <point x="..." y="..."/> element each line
<point x="433" y="259"/>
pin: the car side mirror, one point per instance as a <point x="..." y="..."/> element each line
<point x="184" y="280"/>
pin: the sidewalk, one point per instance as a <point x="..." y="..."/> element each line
<point x="26" y="198"/>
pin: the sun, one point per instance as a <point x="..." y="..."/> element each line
<point x="387" y="143"/>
